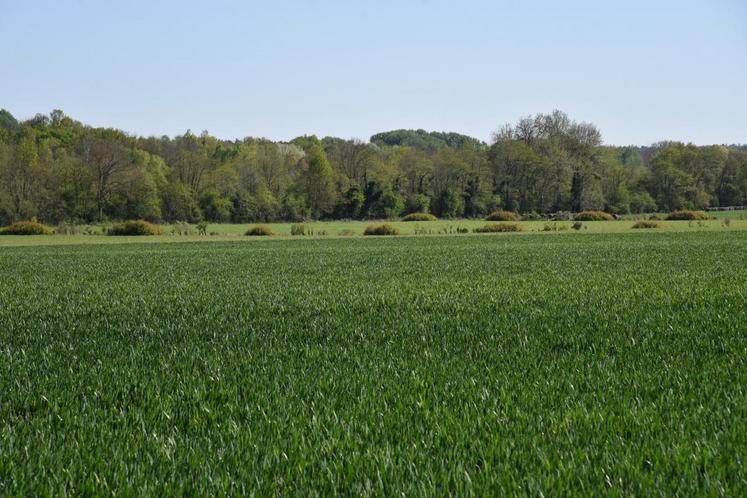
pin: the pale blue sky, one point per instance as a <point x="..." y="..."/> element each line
<point x="643" y="71"/>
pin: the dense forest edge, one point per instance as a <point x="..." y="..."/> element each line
<point x="55" y="169"/>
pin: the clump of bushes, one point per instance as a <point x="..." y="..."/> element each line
<point x="577" y="225"/>
<point x="561" y="216"/>
<point x="419" y="217"/>
<point x="593" y="216"/>
<point x="26" y="228"/>
<point x="298" y="229"/>
<point x="182" y="228"/>
<point x="383" y="229"/>
<point x="647" y="224"/>
<point x="502" y="216"/>
<point x="498" y="227"/>
<point x="687" y="215"/>
<point x="134" y="227"/>
<point x="531" y="216"/>
<point x="260" y="231"/>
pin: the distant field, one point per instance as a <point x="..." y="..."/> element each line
<point x="526" y="364"/>
<point x="333" y="229"/>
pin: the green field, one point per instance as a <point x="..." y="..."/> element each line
<point x="528" y="364"/>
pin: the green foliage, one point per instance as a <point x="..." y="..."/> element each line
<point x="58" y="169"/>
<point x="7" y="121"/>
<point x="687" y="215"/>
<point x="498" y="227"/>
<point x="134" y="227"/>
<point x="387" y="204"/>
<point x="502" y="216"/>
<point x="534" y="365"/>
<point x="577" y="225"/>
<point x="382" y="229"/>
<point x="298" y="229"/>
<point x="351" y="204"/>
<point x="417" y="203"/>
<point x="215" y="208"/>
<point x="642" y="202"/>
<point x="593" y="216"/>
<point x="26" y="228"/>
<point x="421" y="139"/>
<point x="646" y="224"/>
<point x="260" y="231"/>
<point x="317" y="182"/>
<point x="449" y="204"/>
<point x="179" y="203"/>
<point x="419" y="217"/>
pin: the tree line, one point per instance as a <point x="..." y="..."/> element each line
<point x="56" y="169"/>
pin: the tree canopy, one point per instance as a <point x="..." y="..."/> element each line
<point x="56" y="169"/>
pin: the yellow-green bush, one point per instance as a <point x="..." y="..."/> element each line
<point x="646" y="224"/>
<point x="502" y="216"/>
<point x="134" y="227"/>
<point x="26" y="228"/>
<point x="419" y="217"/>
<point x="260" y="231"/>
<point x="593" y="216"/>
<point x="687" y="215"/>
<point x="498" y="227"/>
<point x="383" y="229"/>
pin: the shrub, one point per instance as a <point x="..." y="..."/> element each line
<point x="260" y="231"/>
<point x="26" y="228"/>
<point x="561" y="216"/>
<point x="646" y="224"/>
<point x="134" y="227"/>
<point x="181" y="228"/>
<point x="531" y="216"/>
<point x="498" y="227"/>
<point x="687" y="215"/>
<point x="419" y="217"/>
<point x="383" y="229"/>
<point x="502" y="216"/>
<point x="298" y="229"/>
<point x="577" y="225"/>
<point x="593" y="216"/>
<point x="555" y="227"/>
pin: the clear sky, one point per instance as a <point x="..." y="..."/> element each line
<point x="643" y="71"/>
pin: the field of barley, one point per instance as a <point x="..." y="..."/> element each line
<point x="538" y="364"/>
